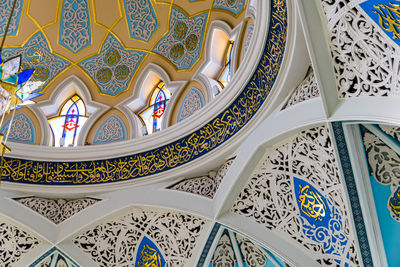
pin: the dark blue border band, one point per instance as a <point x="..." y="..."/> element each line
<point x="190" y="147"/>
<point x="352" y="191"/>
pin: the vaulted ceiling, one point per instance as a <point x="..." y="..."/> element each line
<point x="294" y="163"/>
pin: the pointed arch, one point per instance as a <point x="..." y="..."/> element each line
<point x="50" y="108"/>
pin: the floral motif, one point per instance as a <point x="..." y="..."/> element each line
<point x="205" y="186"/>
<point x="142" y="20"/>
<point x="56" y="210"/>
<point x="192" y="102"/>
<point x="252" y="254"/>
<point x="75" y="25"/>
<point x="308" y="89"/>
<point x="14" y="243"/>
<point x="392" y="131"/>
<point x="366" y="62"/>
<point x="382" y="160"/>
<point x="37" y="55"/>
<point x="114" y="67"/>
<point x="268" y="197"/>
<point x="224" y="254"/>
<point x="208" y="137"/>
<point x="22" y="129"/>
<point x="114" y="243"/>
<point x="111" y="130"/>
<point x="384" y="165"/>
<point x="182" y="45"/>
<point x="6" y="6"/>
<point x="234" y="6"/>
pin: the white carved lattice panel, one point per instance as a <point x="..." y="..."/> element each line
<point x="114" y="242"/>
<point x="56" y="210"/>
<point x="14" y="243"/>
<point x="205" y="186"/>
<point x="308" y="89"/>
<point x="269" y="197"/>
<point x="365" y="59"/>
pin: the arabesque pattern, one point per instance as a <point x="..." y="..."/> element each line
<point x="56" y="210"/>
<point x="205" y="186"/>
<point x="308" y="89"/>
<point x="182" y="45"/>
<point x="192" y="102"/>
<point x="234" y="6"/>
<point x="270" y="199"/>
<point x="6" y="6"/>
<point x="114" y="67"/>
<point x="115" y="243"/>
<point x="75" y="33"/>
<point x="22" y="129"/>
<point x="142" y="21"/>
<point x="37" y="55"/>
<point x="366" y="61"/>
<point x="14" y="243"/>
<point x="215" y="132"/>
<point x="111" y="130"/>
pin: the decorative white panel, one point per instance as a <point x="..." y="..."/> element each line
<point x="56" y="210"/>
<point x="14" y="243"/>
<point x="308" y="89"/>
<point x="271" y="197"/>
<point x="393" y="131"/>
<point x="365" y="59"/>
<point x="205" y="186"/>
<point x="114" y="243"/>
<point x="224" y="254"/>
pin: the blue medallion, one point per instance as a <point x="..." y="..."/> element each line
<point x="148" y="254"/>
<point x="312" y="205"/>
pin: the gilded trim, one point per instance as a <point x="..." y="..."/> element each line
<point x="190" y="147"/>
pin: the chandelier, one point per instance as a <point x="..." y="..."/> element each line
<point x="15" y="88"/>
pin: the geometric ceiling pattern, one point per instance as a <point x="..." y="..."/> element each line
<point x="303" y="196"/>
<point x="79" y="31"/>
<point x="188" y="148"/>
<point x="113" y="67"/>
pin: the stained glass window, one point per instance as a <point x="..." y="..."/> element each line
<point x="67" y="126"/>
<point x="154" y="114"/>
<point x="225" y="76"/>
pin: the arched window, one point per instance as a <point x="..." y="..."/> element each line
<point x="225" y="76"/>
<point x="154" y="114"/>
<point x="68" y="124"/>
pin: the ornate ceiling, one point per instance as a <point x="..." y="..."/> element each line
<point x="108" y="43"/>
<point x="298" y="168"/>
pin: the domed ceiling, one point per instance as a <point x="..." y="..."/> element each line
<point x="107" y="44"/>
<point x="107" y="48"/>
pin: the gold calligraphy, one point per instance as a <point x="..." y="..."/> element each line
<point x="149" y="257"/>
<point x="211" y="135"/>
<point x="311" y="203"/>
<point x="389" y="18"/>
<point x="395" y="203"/>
